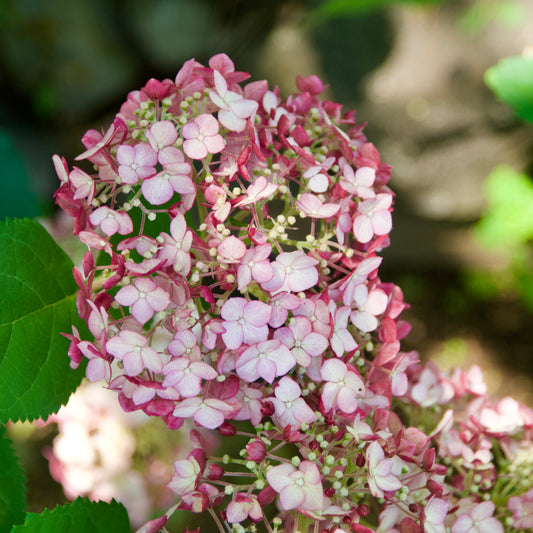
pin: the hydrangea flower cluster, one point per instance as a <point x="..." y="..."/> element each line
<point x="231" y="279"/>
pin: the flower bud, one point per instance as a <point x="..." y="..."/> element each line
<point x="256" y="450"/>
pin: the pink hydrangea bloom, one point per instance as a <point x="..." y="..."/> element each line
<point x="297" y="488"/>
<point x="258" y="190"/>
<point x="359" y="182"/>
<point x="313" y="207"/>
<point x="111" y="221"/>
<point x="373" y="218"/>
<point x="136" y="162"/>
<point x="293" y="271"/>
<point x="267" y="359"/>
<point x="186" y="375"/>
<point x="290" y="407"/>
<point x="302" y="341"/>
<point x="209" y="413"/>
<point x="133" y="350"/>
<point x="144" y="298"/>
<point x="380" y="477"/>
<point x="162" y="134"/>
<point x="522" y="509"/>
<point x="255" y="265"/>
<point x="202" y="137"/>
<point x="369" y="306"/>
<point x="342" y="386"/>
<point x="243" y="507"/>
<point x="175" y="247"/>
<point x="186" y="474"/>
<point x="478" y="520"/>
<point x="244" y="322"/>
<point x="82" y="183"/>
<point x="174" y="178"/>
<point x="233" y="108"/>
<point x="434" y="514"/>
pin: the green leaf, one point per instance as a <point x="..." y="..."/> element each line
<point x="512" y="81"/>
<point x="12" y="487"/>
<point x="507" y="222"/>
<point x="80" y="516"/>
<point x="38" y="303"/>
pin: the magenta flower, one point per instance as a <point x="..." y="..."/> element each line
<point x="300" y="488"/>
<point x="373" y="218"/>
<point x="135" y="162"/>
<point x="478" y="520"/>
<point x="293" y="272"/>
<point x="290" y="407"/>
<point x="266" y="359"/>
<point x="144" y="298"/>
<point x="380" y="477"/>
<point x="111" y="222"/>
<point x="133" y="350"/>
<point x="342" y="387"/>
<point x="202" y="137"/>
<point x="244" y="322"/>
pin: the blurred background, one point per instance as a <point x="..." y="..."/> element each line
<point x="414" y="70"/>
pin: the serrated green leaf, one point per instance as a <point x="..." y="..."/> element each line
<point x="38" y="303"/>
<point x="80" y="516"/>
<point x="512" y="81"/>
<point x="12" y="486"/>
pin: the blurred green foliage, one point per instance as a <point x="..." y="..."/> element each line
<point x="512" y="81"/>
<point x="506" y="225"/>
<point x="481" y="13"/>
<point x="18" y="199"/>
<point x="340" y="8"/>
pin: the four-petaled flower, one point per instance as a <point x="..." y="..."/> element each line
<point x="244" y="322"/>
<point x="202" y="137"/>
<point x="267" y="360"/>
<point x="290" y="407"/>
<point x="297" y="489"/>
<point x="144" y="298"/>
<point x="132" y="348"/>
<point x="380" y="477"/>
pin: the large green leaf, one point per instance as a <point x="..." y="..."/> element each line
<point x="80" y="516"/>
<point x="512" y="81"/>
<point x="12" y="488"/>
<point x="38" y="303"/>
